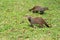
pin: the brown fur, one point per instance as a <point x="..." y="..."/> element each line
<point x="37" y="20"/>
<point x="37" y="9"/>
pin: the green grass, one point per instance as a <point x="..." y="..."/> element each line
<point x="12" y="12"/>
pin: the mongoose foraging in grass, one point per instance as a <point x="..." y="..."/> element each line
<point x="39" y="9"/>
<point x="37" y="20"/>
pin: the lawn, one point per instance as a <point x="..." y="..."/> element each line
<point x="12" y="13"/>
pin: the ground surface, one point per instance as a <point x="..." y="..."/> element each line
<point x="12" y="12"/>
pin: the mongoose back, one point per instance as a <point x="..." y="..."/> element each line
<point x="39" y="9"/>
<point x="37" y="20"/>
